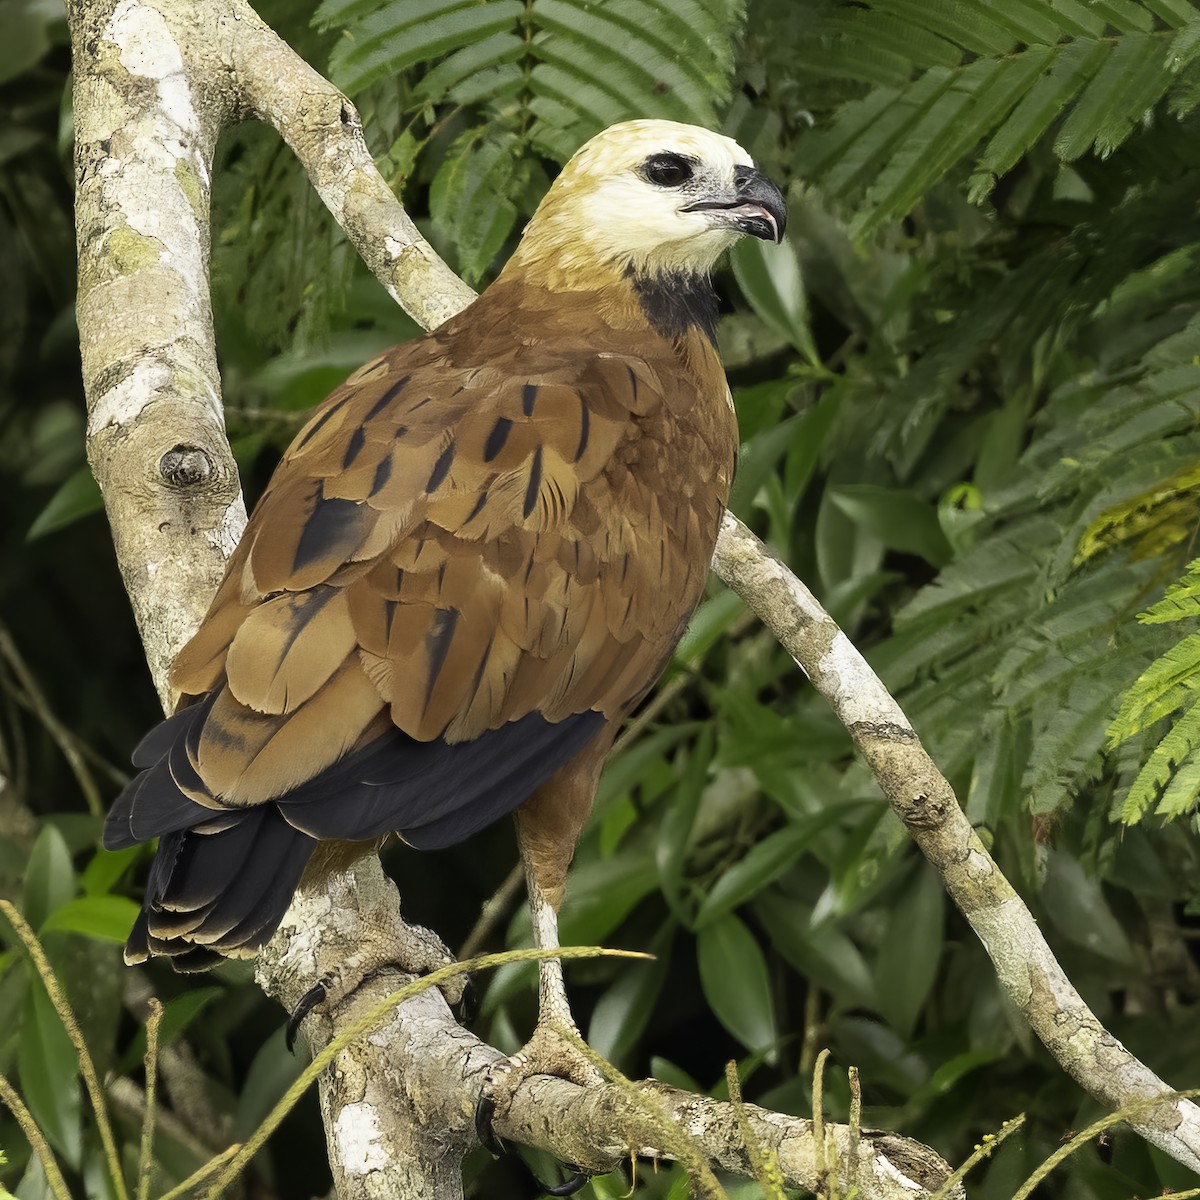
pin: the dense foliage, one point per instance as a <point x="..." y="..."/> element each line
<point x="969" y="394"/>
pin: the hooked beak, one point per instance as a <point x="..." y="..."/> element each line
<point x="756" y="207"/>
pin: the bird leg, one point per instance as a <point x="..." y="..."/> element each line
<point x="548" y="826"/>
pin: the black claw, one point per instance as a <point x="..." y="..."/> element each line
<point x="307" y="1003"/>
<point x="578" y="1180"/>
<point x="485" y="1110"/>
<point x="468" y="1005"/>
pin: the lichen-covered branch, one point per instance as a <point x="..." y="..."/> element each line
<point x="925" y="802"/>
<point x="145" y="128"/>
<point x="414" y="1082"/>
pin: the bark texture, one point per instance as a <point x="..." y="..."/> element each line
<point x="925" y="802"/>
<point x="155" y="82"/>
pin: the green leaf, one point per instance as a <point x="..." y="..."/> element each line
<point x="1076" y="904"/>
<point x="600" y="895"/>
<point x="26" y="37"/>
<point x="1045" y="101"/>
<point x="769" y="277"/>
<point x="709" y="624"/>
<point x="970" y="25"/>
<point x="674" y="835"/>
<point x="1131" y="78"/>
<point x="109" y="918"/>
<point x="77" y="497"/>
<point x="178" y="1014"/>
<point x="407" y="32"/>
<point x="106" y="867"/>
<point x="50" y="877"/>
<point x="762" y="865"/>
<point x="897" y="518"/>
<point x="733" y="974"/>
<point x="49" y="1074"/>
<point x="912" y="947"/>
<point x="756" y="461"/>
<point x="958" y="119"/>
<point x="272" y="1071"/>
<point x="470" y="198"/>
<point x="624" y="1009"/>
<point x="491" y="52"/>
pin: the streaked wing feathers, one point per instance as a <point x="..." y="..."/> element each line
<point x="465" y="533"/>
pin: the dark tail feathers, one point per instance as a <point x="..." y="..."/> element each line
<point x="220" y="889"/>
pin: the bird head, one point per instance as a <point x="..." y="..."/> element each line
<point x="650" y="198"/>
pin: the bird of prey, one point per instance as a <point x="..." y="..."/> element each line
<point x="473" y="561"/>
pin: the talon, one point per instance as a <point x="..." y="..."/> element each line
<point x="309" y="1001"/>
<point x="468" y="1002"/>
<point x="568" y="1187"/>
<point x="485" y="1110"/>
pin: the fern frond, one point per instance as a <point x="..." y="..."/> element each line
<point x="406" y="32"/>
<point x="1161" y="776"/>
<point x="981" y="96"/>
<point x="956" y="75"/>
<point x="1161" y="688"/>
<point x="1129" y="82"/>
<point x="1182" y="601"/>
<point x="1046" y="100"/>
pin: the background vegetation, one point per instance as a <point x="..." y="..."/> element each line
<point x="968" y="391"/>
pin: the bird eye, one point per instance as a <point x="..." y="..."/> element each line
<point x="667" y="170"/>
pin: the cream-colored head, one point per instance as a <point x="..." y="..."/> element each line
<point x="649" y="198"/>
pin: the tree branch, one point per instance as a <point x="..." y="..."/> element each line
<point x="155" y="81"/>
<point x="925" y="802"/>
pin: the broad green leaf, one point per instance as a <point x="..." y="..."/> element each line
<point x="824" y="954"/>
<point x="26" y="37"/>
<point x="50" y="877"/>
<point x="762" y="865"/>
<point x="624" y="1010"/>
<point x="600" y="895"/>
<point x="109" y="918"/>
<point x="896" y="518"/>
<point x="757" y="459"/>
<point x="178" y="1014"/>
<point x="77" y="497"/>
<point x="911" y="949"/>
<point x="733" y="974"/>
<point x="106" y="867"/>
<point x="272" y="1071"/>
<point x="709" y="624"/>
<point x="1075" y="903"/>
<point x="631" y="766"/>
<point x="674" y="834"/>
<point x="49" y="1075"/>
<point x="769" y="277"/>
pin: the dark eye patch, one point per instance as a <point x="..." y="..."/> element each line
<point x="667" y="169"/>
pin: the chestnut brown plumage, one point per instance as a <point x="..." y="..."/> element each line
<point x="474" y="559"/>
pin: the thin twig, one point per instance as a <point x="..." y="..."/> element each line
<point x="818" y="1121"/>
<point x="54" y="727"/>
<point x="763" y="1162"/>
<point x="988" y="1145"/>
<point x="855" y="1121"/>
<point x="196" y="1178"/>
<point x="493" y="911"/>
<point x="146" y="1150"/>
<point x="35" y="1138"/>
<point x="87" y="1067"/>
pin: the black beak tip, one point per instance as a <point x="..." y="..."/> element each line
<point x="756" y="189"/>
